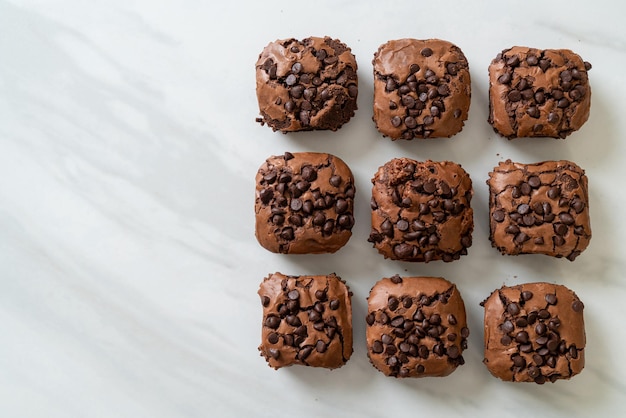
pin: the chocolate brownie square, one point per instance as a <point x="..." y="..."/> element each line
<point x="422" y="89"/>
<point x="306" y="85"/>
<point x="304" y="203"/>
<point x="534" y="332"/>
<point x="540" y="208"/>
<point x="534" y="92"/>
<point x="416" y="327"/>
<point x="421" y="210"/>
<point x="307" y="320"/>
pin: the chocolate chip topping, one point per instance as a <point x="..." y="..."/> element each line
<point x="304" y="204"/>
<point x="539" y="208"/>
<point x="552" y="100"/>
<point x="306" y="85"/>
<point x="421" y="210"/>
<point x="541" y="339"/>
<point x="416" y="327"/>
<point x="421" y="89"/>
<point x="302" y="325"/>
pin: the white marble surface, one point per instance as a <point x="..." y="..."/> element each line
<point x="128" y="263"/>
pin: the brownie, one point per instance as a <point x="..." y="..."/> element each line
<point x="421" y="89"/>
<point x="534" y="332"/>
<point x="540" y="208"/>
<point x="304" y="203"/>
<point x="416" y="326"/>
<point x="534" y="92"/>
<point x="306" y="85"/>
<point x="421" y="210"/>
<point x="307" y="320"/>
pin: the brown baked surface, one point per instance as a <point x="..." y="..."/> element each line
<point x="304" y="203"/>
<point x="306" y="85"/>
<point x="534" y="332"/>
<point x="422" y="89"/>
<point x="421" y="210"/>
<point x="540" y="208"/>
<point x="307" y="320"/>
<point x="416" y="327"/>
<point x="535" y="92"/>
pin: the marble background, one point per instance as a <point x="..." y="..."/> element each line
<point x="128" y="263"/>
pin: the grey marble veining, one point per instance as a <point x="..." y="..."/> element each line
<point x="128" y="263"/>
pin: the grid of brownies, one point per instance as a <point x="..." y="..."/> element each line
<point x="416" y="326"/>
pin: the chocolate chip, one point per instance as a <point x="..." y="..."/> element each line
<point x="410" y="122"/>
<point x="513" y="308"/>
<point x="514" y="96"/>
<point x="551" y="298"/>
<point x="544" y="314"/>
<point x="272" y="322"/>
<point x="518" y="361"/>
<point x="533" y="112"/>
<point x="504" y="78"/>
<point x="465" y="332"/>
<point x="563" y="103"/>
<point x="521" y="337"/>
<point x="541" y="328"/>
<point x="566" y="218"/>
<point x="427" y="52"/>
<point x="396" y="121"/>
<point x="377" y="347"/>
<point x="320" y="346"/>
<point x="577" y="306"/>
<point x="334" y="304"/>
<point x="544" y="64"/>
<point x="521" y="238"/>
<point x="305" y="352"/>
<point x="513" y="61"/>
<point x="390" y="85"/>
<point x="527" y="295"/>
<point x="523" y="209"/>
<point x="452" y="319"/>
<point x="393" y="303"/>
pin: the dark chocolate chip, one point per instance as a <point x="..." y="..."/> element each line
<point x="427" y="52"/>
<point x="504" y="78"/>
<point x="272" y="322"/>
<point x="551" y="298"/>
<point x="377" y="347"/>
<point x="513" y="308"/>
<point x="527" y="295"/>
<point x="393" y="303"/>
<point x="518" y="361"/>
<point x="334" y="304"/>
<point x="513" y="61"/>
<point x="514" y="96"/>
<point x="577" y="306"/>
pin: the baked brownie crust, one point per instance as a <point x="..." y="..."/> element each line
<point x="534" y="332"/>
<point x="540" y="208"/>
<point x="304" y="203"/>
<point x="306" y="85"/>
<point x="421" y="210"/>
<point x="416" y="327"/>
<point x="422" y="89"/>
<point x="307" y="320"/>
<point x="535" y="92"/>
